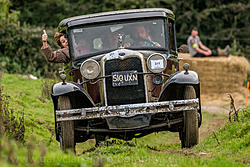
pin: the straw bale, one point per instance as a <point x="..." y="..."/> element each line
<point x="218" y="75"/>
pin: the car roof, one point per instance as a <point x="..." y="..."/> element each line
<point x="116" y="15"/>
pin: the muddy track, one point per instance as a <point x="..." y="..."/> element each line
<point x="214" y="121"/>
<point x="214" y="117"/>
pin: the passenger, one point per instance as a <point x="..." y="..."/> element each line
<point x="60" y="55"/>
<point x="113" y="40"/>
<point x="83" y="47"/>
<point x="141" y="37"/>
<point x="197" y="49"/>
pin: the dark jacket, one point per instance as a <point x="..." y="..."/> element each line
<point x="58" y="56"/>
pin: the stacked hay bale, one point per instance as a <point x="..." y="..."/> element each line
<point x="218" y="75"/>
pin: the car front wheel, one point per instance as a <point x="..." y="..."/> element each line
<point x="67" y="142"/>
<point x="190" y="134"/>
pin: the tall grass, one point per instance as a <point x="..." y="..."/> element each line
<point x="11" y="122"/>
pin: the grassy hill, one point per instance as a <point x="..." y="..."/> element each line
<point x="158" y="149"/>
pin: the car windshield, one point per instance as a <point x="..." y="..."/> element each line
<point x="100" y="38"/>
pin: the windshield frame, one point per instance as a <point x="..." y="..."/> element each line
<point x="84" y="57"/>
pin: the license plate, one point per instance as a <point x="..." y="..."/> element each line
<point x="124" y="78"/>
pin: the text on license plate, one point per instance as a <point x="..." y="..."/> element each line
<point x="124" y="78"/>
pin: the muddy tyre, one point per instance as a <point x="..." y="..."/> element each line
<point x="99" y="139"/>
<point x="190" y="134"/>
<point x="67" y="141"/>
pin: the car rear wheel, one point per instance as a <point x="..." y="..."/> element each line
<point x="190" y="134"/>
<point x="67" y="141"/>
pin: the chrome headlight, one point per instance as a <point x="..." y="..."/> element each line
<point x="90" y="69"/>
<point x="156" y="63"/>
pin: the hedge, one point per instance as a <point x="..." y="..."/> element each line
<point x="20" y="50"/>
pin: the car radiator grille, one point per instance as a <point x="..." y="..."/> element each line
<point x="124" y="94"/>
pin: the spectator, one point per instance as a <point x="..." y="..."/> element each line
<point x="197" y="49"/>
<point x="60" y="55"/>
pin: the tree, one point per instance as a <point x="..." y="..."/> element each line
<point x="8" y="16"/>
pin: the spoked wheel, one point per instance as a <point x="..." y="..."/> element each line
<point x="67" y="141"/>
<point x="190" y="134"/>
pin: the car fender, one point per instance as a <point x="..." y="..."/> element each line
<point x="79" y="97"/>
<point x="183" y="77"/>
<point x="174" y="87"/>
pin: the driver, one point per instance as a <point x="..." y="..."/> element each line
<point x="141" y="37"/>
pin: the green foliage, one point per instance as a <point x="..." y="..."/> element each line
<point x="7" y="16"/>
<point x="234" y="139"/>
<point x="11" y="124"/>
<point x="20" y="50"/>
<point x="20" y="46"/>
<point x="235" y="50"/>
<point x="219" y="22"/>
<point x="45" y="12"/>
<point x="46" y="88"/>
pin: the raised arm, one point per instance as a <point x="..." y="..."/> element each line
<point x="44" y="39"/>
<point x="58" y="56"/>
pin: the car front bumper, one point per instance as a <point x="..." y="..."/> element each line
<point x="128" y="110"/>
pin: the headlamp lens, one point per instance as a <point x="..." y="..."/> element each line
<point x="156" y="63"/>
<point x="90" y="69"/>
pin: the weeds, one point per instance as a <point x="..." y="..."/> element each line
<point x="233" y="112"/>
<point x="43" y="153"/>
<point x="99" y="162"/>
<point x="215" y="136"/>
<point x="46" y="88"/>
<point x="12" y="124"/>
<point x="30" y="149"/>
<point x="11" y="155"/>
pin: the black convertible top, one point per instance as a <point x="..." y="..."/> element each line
<point x="116" y="15"/>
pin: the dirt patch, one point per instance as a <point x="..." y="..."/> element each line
<point x="223" y="100"/>
<point x="211" y="125"/>
<point x="185" y="152"/>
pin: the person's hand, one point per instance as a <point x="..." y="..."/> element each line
<point x="126" y="45"/>
<point x="209" y="52"/>
<point x="206" y="54"/>
<point x="44" y="36"/>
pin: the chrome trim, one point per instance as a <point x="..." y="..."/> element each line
<point x="159" y="55"/>
<point x="128" y="54"/>
<point x="128" y="110"/>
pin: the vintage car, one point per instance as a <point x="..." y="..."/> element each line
<point x="123" y="80"/>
